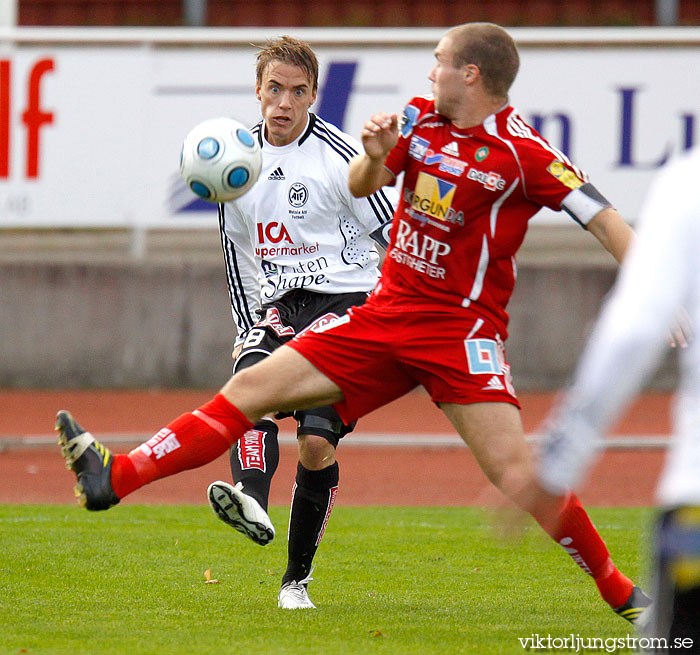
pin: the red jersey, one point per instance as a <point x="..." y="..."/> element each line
<point x="466" y="200"/>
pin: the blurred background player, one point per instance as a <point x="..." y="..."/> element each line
<point x="474" y="174"/>
<point x="659" y="279"/>
<point x="299" y="252"/>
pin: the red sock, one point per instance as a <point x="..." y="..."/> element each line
<point x="579" y="537"/>
<point x="191" y="440"/>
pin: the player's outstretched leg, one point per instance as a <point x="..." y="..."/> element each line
<point x="89" y="460"/>
<point x="191" y="440"/>
<point x="573" y="530"/>
<point x="495" y="434"/>
<point x="254" y="460"/>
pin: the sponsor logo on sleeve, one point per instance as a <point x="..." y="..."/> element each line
<point x="565" y="175"/>
<point x="408" y="119"/>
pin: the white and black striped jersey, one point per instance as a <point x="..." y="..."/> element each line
<point x="299" y="227"/>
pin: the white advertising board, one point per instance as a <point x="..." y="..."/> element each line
<point x="90" y="129"/>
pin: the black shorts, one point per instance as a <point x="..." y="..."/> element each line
<point x="295" y="312"/>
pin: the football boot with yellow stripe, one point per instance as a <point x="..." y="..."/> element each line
<point x="634" y="610"/>
<point x="89" y="460"/>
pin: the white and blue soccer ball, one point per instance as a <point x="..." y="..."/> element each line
<point x="220" y="159"/>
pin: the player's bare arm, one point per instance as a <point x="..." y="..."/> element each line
<point x="616" y="237"/>
<point x="613" y="233"/>
<point x="367" y="172"/>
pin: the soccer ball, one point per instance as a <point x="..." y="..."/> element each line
<point x="220" y="160"/>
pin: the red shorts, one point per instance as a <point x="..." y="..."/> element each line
<point x="376" y="356"/>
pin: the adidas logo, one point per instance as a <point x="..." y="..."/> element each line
<point x="277" y="174"/>
<point x="451" y="149"/>
<point x="494" y="383"/>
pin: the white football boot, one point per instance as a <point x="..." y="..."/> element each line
<point x="240" y="511"/>
<point x="294" y="596"/>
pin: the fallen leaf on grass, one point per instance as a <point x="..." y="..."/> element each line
<point x="375" y="633"/>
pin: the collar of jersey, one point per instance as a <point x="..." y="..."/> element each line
<point x="474" y="129"/>
<point x="267" y="146"/>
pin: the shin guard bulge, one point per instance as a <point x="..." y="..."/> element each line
<point x="313" y="498"/>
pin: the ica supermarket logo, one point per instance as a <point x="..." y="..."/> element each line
<point x="434" y="197"/>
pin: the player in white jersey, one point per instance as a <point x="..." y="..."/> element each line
<point x="299" y="251"/>
<point x="659" y="279"/>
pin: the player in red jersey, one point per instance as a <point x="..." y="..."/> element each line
<point x="474" y="173"/>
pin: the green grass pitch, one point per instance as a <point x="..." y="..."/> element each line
<point x="397" y="580"/>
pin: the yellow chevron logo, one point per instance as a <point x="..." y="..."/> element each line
<point x="102" y="451"/>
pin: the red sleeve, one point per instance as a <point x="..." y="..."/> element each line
<point x="396" y="161"/>
<point x="413" y="112"/>
<point x="548" y="175"/>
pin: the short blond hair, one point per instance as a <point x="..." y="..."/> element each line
<point x="288" y="50"/>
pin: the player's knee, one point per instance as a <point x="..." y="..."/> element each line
<point x="315" y="453"/>
<point x="511" y="477"/>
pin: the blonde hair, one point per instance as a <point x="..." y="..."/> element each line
<point x="288" y="50"/>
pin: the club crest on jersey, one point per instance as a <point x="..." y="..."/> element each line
<point x="418" y="147"/>
<point x="298" y="195"/>
<point x="481" y="154"/>
<point x="408" y="119"/>
<point x="433" y="196"/>
<point x="482" y="357"/>
<point x="565" y="175"/>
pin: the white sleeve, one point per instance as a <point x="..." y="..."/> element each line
<point x="631" y="333"/>
<point x="242" y="269"/>
<point x="373" y="212"/>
